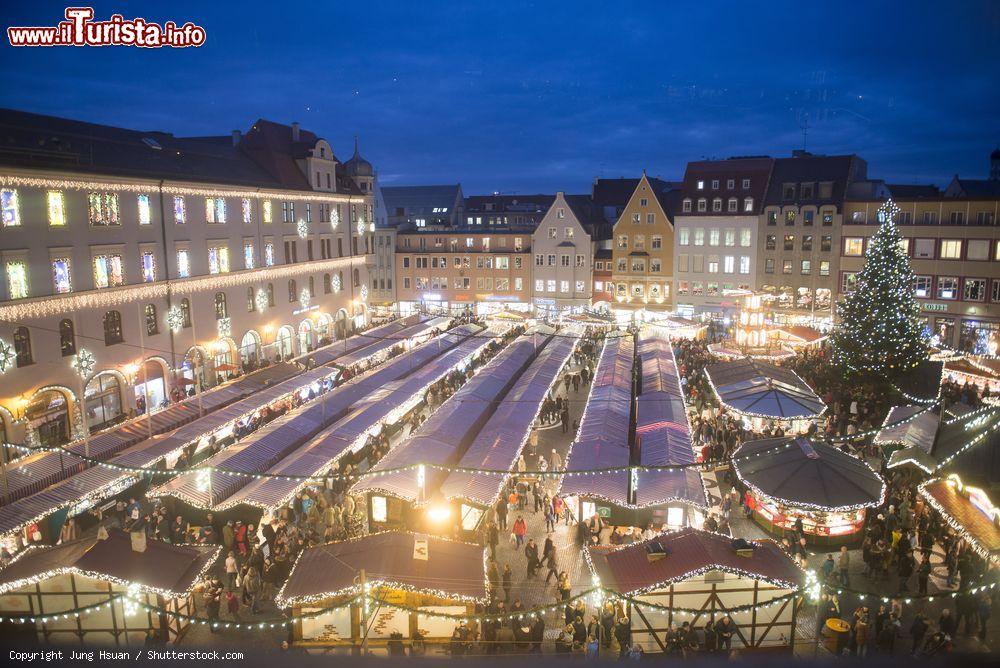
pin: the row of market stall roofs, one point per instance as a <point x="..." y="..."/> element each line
<point x="657" y="419"/>
<point x="958" y="437"/>
<point x="451" y="432"/>
<point x="59" y="488"/>
<point x="265" y="450"/>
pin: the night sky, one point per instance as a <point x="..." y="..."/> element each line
<point x="537" y="97"/>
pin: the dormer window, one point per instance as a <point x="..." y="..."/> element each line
<point x="322" y="152"/>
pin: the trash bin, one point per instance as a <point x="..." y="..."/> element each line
<point x="835" y="634"/>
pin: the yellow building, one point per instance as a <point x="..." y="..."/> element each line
<point x="642" y="248"/>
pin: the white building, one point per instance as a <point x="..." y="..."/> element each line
<point x="165" y="258"/>
<point x="562" y="268"/>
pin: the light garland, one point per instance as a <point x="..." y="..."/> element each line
<point x="806" y="418"/>
<point x="52" y="305"/>
<point x="10" y="180"/>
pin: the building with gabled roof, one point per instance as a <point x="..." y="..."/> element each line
<point x="562" y="270"/>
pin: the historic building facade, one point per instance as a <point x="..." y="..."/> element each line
<point x="562" y="270"/>
<point x="716" y="232"/>
<point x="954" y="246"/>
<point x="799" y="235"/>
<point x="463" y="269"/>
<point x="642" y="249"/>
<point x="137" y="264"/>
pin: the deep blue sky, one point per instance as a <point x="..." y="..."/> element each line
<point x="542" y="96"/>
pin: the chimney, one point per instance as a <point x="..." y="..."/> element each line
<point x="295" y="130"/>
<point x="237" y="135"/>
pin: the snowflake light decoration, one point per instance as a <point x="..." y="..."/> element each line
<point x="83" y="362"/>
<point x="335" y="219"/>
<point x="361" y="225"/>
<point x="261" y="299"/>
<point x="302" y="227"/>
<point x="335" y="283"/>
<point x="8" y="356"/>
<point x="175" y="318"/>
<point x="364" y="293"/>
<point x="305" y="297"/>
<point x="224" y="326"/>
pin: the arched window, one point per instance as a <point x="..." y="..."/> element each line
<point x="113" y="328"/>
<point x="341" y="280"/>
<point x="357" y="278"/>
<point x="186" y="312"/>
<point x="327" y="284"/>
<point x="152" y="324"/>
<point x="221" y="310"/>
<point x="22" y="347"/>
<point x="67" y="338"/>
<point x="312" y="286"/>
<point x="270" y="294"/>
<point x="293" y="292"/>
<point x="251" y="304"/>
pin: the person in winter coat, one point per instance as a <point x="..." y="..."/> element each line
<point x="520" y="529"/>
<point x="623" y="635"/>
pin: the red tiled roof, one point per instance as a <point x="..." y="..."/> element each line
<point x="692" y="552"/>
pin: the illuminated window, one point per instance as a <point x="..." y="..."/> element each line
<point x="152" y="322"/>
<point x="380" y="509"/>
<point x="61" y="280"/>
<point x="9" y="208"/>
<point x="729" y="264"/>
<point x="748" y="205"/>
<point x="745" y="235"/>
<point x="102" y="209"/>
<point x="268" y="254"/>
<point x="144" y="212"/>
<point x="854" y="246"/>
<point x="713" y="237"/>
<point x="108" y="271"/>
<point x="180" y="214"/>
<point x="744" y="264"/>
<point x="183" y="263"/>
<point x="951" y="249"/>
<point x="266" y="208"/>
<point x="148" y="267"/>
<point x="245" y="205"/>
<point x="824" y="268"/>
<point x="215" y="210"/>
<point x="922" y="286"/>
<point x="683" y="236"/>
<point x="113" y="328"/>
<point x="17" y="279"/>
<point x="974" y="290"/>
<point x="218" y="260"/>
<point x="248" y="255"/>
<point x="57" y="208"/>
<point x="699" y="236"/>
<point x="947" y="287"/>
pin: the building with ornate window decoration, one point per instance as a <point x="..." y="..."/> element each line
<point x="166" y="257"/>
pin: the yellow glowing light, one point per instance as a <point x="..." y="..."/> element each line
<point x="438" y="513"/>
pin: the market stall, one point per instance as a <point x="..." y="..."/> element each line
<point x="791" y="479"/>
<point x="144" y="581"/>
<point x="764" y="394"/>
<point x="695" y="576"/>
<point x="407" y="578"/>
<point x="907" y="437"/>
<point x="969" y="511"/>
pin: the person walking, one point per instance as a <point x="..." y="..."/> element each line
<point x="507" y="580"/>
<point x="553" y="562"/>
<point x="502" y="513"/>
<point x="519" y="530"/>
<point x="231" y="571"/>
<point x="531" y="552"/>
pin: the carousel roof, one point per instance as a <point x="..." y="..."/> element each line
<point x="755" y="388"/>
<point x="968" y="509"/>
<point x="807" y="474"/>
<point x="172" y="570"/>
<point x="394" y="559"/>
<point x="688" y="553"/>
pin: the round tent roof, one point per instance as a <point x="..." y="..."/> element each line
<point x="765" y="390"/>
<point x="807" y="474"/>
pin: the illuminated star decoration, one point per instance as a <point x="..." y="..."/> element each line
<point x="224" y="326"/>
<point x="305" y="297"/>
<point x="335" y="283"/>
<point x="261" y="299"/>
<point x="7" y="354"/>
<point x="361" y="225"/>
<point x="302" y="227"/>
<point x="364" y="293"/>
<point x="335" y="219"/>
<point x="175" y="318"/>
<point x="83" y="362"/>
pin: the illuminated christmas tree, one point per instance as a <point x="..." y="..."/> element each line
<point x="880" y="332"/>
